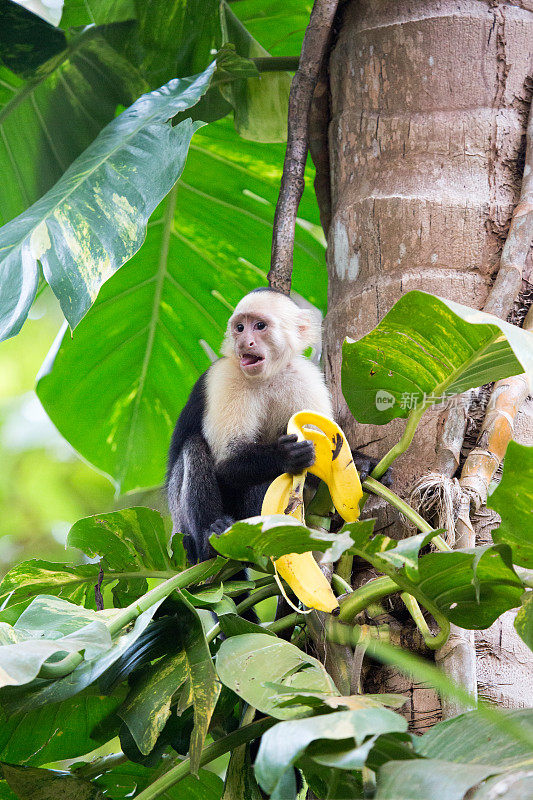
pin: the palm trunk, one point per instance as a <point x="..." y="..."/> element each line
<point x="425" y="138"/>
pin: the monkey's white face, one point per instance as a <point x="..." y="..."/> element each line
<point x="265" y="332"/>
<point x="252" y="344"/>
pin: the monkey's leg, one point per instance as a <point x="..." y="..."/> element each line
<point x="194" y="498"/>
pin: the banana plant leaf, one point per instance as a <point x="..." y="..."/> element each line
<point x="425" y="350"/>
<point x="94" y="219"/>
<point x="513" y="500"/>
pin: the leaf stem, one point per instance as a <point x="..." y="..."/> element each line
<point x="371" y="592"/>
<point x="400" y="447"/>
<point x="433" y="642"/>
<point x="183" y="579"/>
<point x="286" y="622"/>
<point x="391" y="497"/>
<point x="212" y="751"/>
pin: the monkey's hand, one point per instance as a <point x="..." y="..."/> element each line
<point x="220" y="525"/>
<point x="295" y="456"/>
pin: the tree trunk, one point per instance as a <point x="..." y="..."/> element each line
<point x="425" y="137"/>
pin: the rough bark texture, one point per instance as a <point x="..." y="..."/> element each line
<point x="429" y="103"/>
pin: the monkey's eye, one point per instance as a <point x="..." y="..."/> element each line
<point x="260" y="326"/>
<point x="239" y="327"/>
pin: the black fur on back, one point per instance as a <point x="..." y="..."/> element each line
<point x="189" y="422"/>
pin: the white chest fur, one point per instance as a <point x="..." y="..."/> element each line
<point x="243" y="410"/>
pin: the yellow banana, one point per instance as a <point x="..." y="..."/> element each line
<point x="334" y="465"/>
<point x="333" y="461"/>
<point x="300" y="570"/>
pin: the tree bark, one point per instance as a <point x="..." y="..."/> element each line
<point x="429" y="103"/>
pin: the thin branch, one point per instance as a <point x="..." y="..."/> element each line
<point x="292" y="181"/>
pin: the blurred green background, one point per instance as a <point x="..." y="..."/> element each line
<point x="44" y="485"/>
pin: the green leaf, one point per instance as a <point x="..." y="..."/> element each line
<point x="26" y="40"/>
<point x="260" y="104"/>
<point x="262" y="538"/>
<point x="473" y="739"/>
<point x="78" y="13"/>
<point x="31" y="578"/>
<point x="202" y="678"/>
<point x="147" y="707"/>
<point x="31" y="783"/>
<point x="94" y="219"/>
<point x="84" y="675"/>
<point x="511" y="785"/>
<point x="424" y="779"/>
<point x="471" y="587"/>
<point x="38" y="636"/>
<point x="240" y="779"/>
<point x="279" y="25"/>
<point x="58" y="730"/>
<point x="45" y="123"/>
<point x="513" y="500"/>
<point x="246" y="663"/>
<point x="524" y="620"/>
<point x="132" y="540"/>
<point x="116" y="388"/>
<point x="178" y="37"/>
<point x="427" y="348"/>
<point x="282" y="745"/>
<point x="123" y="781"/>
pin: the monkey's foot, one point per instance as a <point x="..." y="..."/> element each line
<point x="220" y="525"/>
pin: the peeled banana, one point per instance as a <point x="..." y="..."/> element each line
<point x="334" y="465"/>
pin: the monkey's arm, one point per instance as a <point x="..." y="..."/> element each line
<point x="253" y="464"/>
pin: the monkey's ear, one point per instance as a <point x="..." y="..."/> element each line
<point x="309" y="327"/>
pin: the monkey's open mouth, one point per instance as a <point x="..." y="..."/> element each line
<point x="248" y="359"/>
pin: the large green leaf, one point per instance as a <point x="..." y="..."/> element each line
<point x="116" y="388"/>
<point x="274" y="536"/>
<point x="282" y="745"/>
<point x="147" y="707"/>
<point x="94" y="219"/>
<point x="31" y="578"/>
<point x="261" y="104"/>
<point x="26" y="40"/>
<point x="246" y="663"/>
<point x="46" y="122"/>
<point x="426" y="779"/>
<point x="132" y="540"/>
<point x="513" y="500"/>
<point x="427" y="348"/>
<point x="77" y="13"/>
<point x="475" y="739"/>
<point x="57" y="730"/>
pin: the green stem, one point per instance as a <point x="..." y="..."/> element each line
<point x="212" y="751"/>
<point x="286" y="622"/>
<point x="391" y="497"/>
<point x="433" y="642"/>
<point x="361" y="598"/>
<point x="400" y="447"/>
<point x="269" y="590"/>
<point x="186" y="578"/>
<point x="344" y="568"/>
<point x="261" y="594"/>
<point x="99" y="765"/>
<point x="341" y="586"/>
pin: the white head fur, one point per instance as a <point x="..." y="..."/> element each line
<point x="266" y="331"/>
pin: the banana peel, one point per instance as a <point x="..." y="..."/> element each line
<point x="334" y="465"/>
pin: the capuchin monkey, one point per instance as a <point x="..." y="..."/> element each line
<point x="229" y="442"/>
